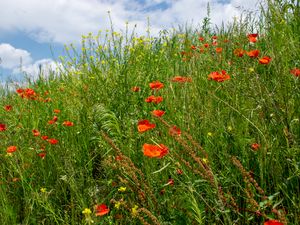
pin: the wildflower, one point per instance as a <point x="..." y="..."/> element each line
<point x="2" y="127"/>
<point x="273" y="222"/>
<point x="86" y="211"/>
<point x="56" y="111"/>
<point x="239" y="52"/>
<point x="11" y="149"/>
<point x="252" y="38"/>
<point x="179" y="171"/>
<point x="36" y="133"/>
<point x="295" y="72"/>
<point x="253" y="53"/>
<point x="145" y="125"/>
<point x="205" y="160"/>
<point x="43" y="190"/>
<point x="135" y="89"/>
<point x="122" y="189"/>
<point x="158" y="113"/>
<point x="7" y="108"/>
<point x="68" y="123"/>
<point x="219" y="77"/>
<point x="42" y="155"/>
<point x="214" y="37"/>
<point x="265" y="60"/>
<point x="20" y="90"/>
<point x="206" y="45"/>
<point x="156" y="85"/>
<point x="155" y="151"/>
<point x="201" y="39"/>
<point x="251" y="69"/>
<point x="193" y="47"/>
<point x="117" y="205"/>
<point x="209" y="134"/>
<point x="101" y="210"/>
<point x="134" y="210"/>
<point x="154" y="99"/>
<point x="170" y="182"/>
<point x="255" y="146"/>
<point x="52" y="141"/>
<point x="181" y="79"/>
<point x="219" y="50"/>
<point x="44" y="137"/>
<point x="174" y="131"/>
<point x="215" y="43"/>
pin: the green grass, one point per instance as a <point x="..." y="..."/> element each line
<point x="212" y="173"/>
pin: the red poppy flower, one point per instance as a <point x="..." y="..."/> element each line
<point x="219" y="50"/>
<point x="193" y="47"/>
<point x="20" y="90"/>
<point x="145" y="125"/>
<point x="273" y="222"/>
<point x="206" y="45"/>
<point x="181" y="79"/>
<point x="158" y="113"/>
<point x="101" y="210"/>
<point x="42" y="155"/>
<point x="214" y="37"/>
<point x="252" y="38"/>
<point x="174" y="131"/>
<point x="11" y="149"/>
<point x="155" y="151"/>
<point x="68" y="123"/>
<point x="36" y="133"/>
<point x="265" y="60"/>
<point x="255" y="146"/>
<point x="135" y="89"/>
<point x="56" y="111"/>
<point x="239" y="52"/>
<point x="253" y="53"/>
<point x="44" y="137"/>
<point x="215" y="43"/>
<point x="2" y="127"/>
<point x="8" y="108"/>
<point x="154" y="99"/>
<point x="201" y="39"/>
<point x="219" y="77"/>
<point x="156" y="85"/>
<point x="295" y="72"/>
<point x="52" y="141"/>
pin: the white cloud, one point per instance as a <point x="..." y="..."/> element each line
<point x="64" y="21"/>
<point x="12" y="57"/>
<point x="43" y="67"/>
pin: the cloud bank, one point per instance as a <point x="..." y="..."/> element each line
<point x="64" y="21"/>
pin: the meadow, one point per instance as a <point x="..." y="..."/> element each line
<point x="193" y="126"/>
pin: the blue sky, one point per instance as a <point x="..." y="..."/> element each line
<point x="30" y="29"/>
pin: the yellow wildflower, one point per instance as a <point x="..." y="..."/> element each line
<point x="122" y="189"/>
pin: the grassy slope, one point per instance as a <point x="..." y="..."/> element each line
<point x="223" y="180"/>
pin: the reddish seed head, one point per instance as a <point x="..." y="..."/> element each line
<point x="174" y="131"/>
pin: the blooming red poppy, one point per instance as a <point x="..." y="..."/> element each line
<point x="214" y="37"/>
<point x="156" y="85"/>
<point x="52" y="141"/>
<point x="155" y="151"/>
<point x="295" y="72"/>
<point x="201" y="39"/>
<point x="68" y="123"/>
<point x="11" y="149"/>
<point x="214" y="43"/>
<point x="239" y="52"/>
<point x="8" y="108"/>
<point x="158" y="113"/>
<point x="135" y="89"/>
<point x="219" y="77"/>
<point x="273" y="222"/>
<point x="193" y="47"/>
<point x="174" y="131"/>
<point x="56" y="111"/>
<point x="55" y="118"/>
<point x="219" y="50"/>
<point x="253" y="53"/>
<point x="154" y="99"/>
<point x="181" y="79"/>
<point x="265" y="60"/>
<point x="252" y="37"/>
<point x="20" y="90"/>
<point x="255" y="146"/>
<point x="44" y="137"/>
<point x="36" y="133"/>
<point x="145" y="125"/>
<point x="101" y="210"/>
<point x="42" y="155"/>
<point x="2" y="127"/>
<point x="206" y="45"/>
